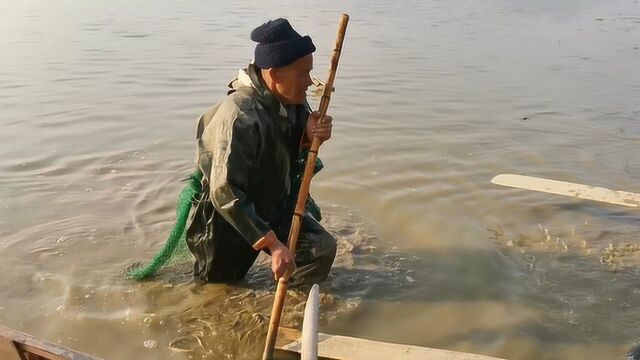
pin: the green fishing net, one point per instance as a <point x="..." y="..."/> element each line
<point x="175" y="249"/>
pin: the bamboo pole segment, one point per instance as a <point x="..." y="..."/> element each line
<point x="283" y="282"/>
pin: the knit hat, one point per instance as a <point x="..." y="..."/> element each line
<point x="279" y="45"/>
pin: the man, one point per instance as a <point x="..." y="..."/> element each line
<point x="246" y="151"/>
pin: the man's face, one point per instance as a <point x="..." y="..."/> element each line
<point x="293" y="80"/>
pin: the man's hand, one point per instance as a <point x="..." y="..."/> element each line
<point x="315" y="128"/>
<point x="281" y="259"/>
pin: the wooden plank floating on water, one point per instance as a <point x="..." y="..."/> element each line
<point x="351" y="348"/>
<point x="16" y="345"/>
<point x="579" y="191"/>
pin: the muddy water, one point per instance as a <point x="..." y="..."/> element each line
<point x="97" y="106"/>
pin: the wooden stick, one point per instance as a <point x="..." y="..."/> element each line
<point x="283" y="282"/>
<point x="579" y="191"/>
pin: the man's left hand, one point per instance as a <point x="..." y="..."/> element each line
<point x="316" y="128"/>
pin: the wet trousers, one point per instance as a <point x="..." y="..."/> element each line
<point x="222" y="255"/>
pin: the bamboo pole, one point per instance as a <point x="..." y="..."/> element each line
<point x="283" y="282"/>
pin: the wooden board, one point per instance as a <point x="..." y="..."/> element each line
<point x="16" y="345"/>
<point x="579" y="191"/>
<point x="351" y="348"/>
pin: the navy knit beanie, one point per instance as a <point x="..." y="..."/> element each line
<point x="279" y="45"/>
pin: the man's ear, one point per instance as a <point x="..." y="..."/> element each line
<point x="273" y="74"/>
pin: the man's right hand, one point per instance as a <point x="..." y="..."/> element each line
<point x="281" y="259"/>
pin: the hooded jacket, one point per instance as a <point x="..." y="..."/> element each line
<point x="247" y="146"/>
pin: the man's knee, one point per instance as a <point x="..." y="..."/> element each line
<point x="328" y="245"/>
<point x="315" y="261"/>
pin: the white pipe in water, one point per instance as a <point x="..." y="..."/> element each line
<point x="309" y="348"/>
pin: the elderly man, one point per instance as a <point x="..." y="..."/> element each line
<point x="247" y="146"/>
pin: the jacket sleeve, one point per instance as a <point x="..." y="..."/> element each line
<point x="234" y="146"/>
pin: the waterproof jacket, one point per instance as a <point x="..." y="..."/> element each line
<point x="246" y="149"/>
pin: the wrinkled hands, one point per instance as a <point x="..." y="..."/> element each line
<point x="281" y="258"/>
<point x="315" y="128"/>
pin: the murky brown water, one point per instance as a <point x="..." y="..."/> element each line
<point x="97" y="106"/>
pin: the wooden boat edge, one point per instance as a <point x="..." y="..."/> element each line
<point x="18" y="345"/>
<point x="339" y="347"/>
